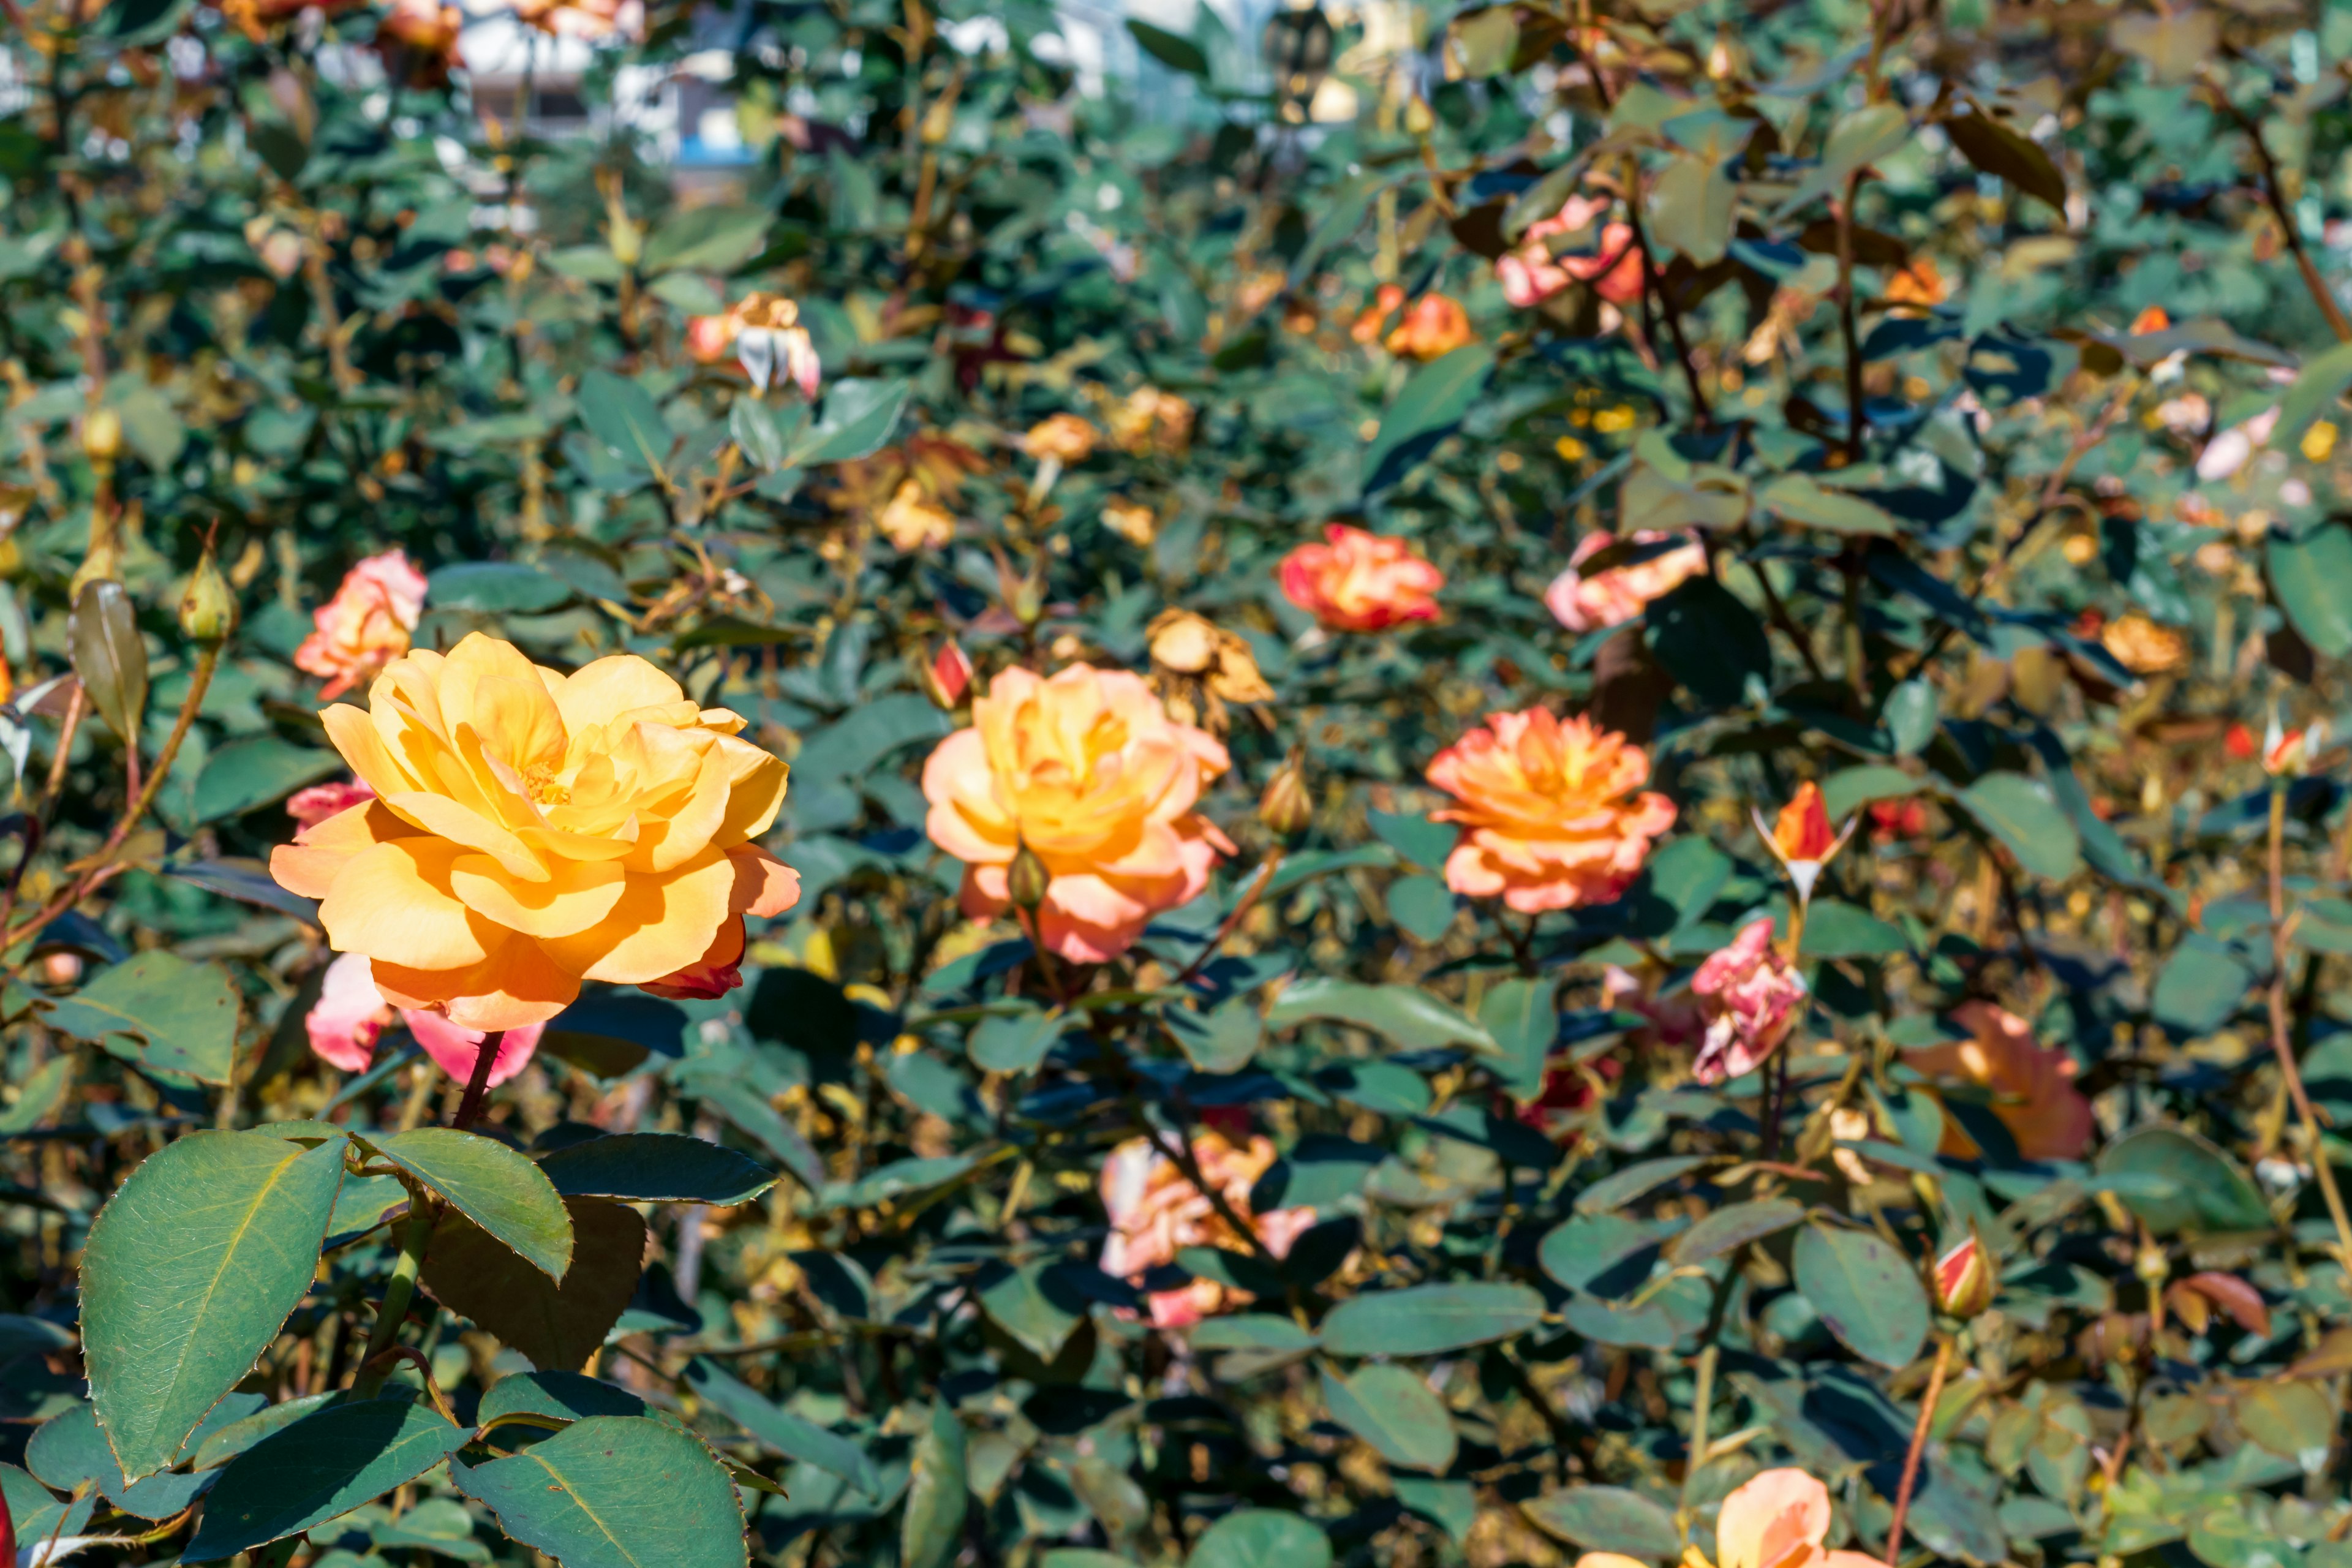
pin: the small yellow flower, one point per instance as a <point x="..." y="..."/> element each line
<point x="2319" y="441"/>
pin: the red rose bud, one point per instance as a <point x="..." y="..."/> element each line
<point x="2239" y="742"/>
<point x="949" y="675"/>
<point x="2287" y="753"/>
<point x="1964" y="1281"/>
<point x="1801" y="838"/>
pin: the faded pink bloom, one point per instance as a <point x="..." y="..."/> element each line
<point x="1619" y="595"/>
<point x="1155" y="1212"/>
<point x="1532" y="274"/>
<point x="1751" y="999"/>
<point x="313" y="805"/>
<point x="350" y="1014"/>
<point x="366" y="624"/>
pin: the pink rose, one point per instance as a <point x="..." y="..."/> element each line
<point x="1615" y="596"/>
<point x="1751" y="999"/>
<point x="1156" y="1212"/>
<point x="350" y="1013"/>
<point x="313" y="805"/>
<point x="1532" y="274"/>
<point x="366" y="624"/>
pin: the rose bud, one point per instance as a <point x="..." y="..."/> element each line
<point x="1026" y="879"/>
<point x="1287" y="806"/>
<point x="1801" y="838"/>
<point x="1964" y="1281"/>
<point x="948" y="676"/>
<point x="208" y="608"/>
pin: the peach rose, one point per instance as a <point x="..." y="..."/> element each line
<point x="589" y="19"/>
<point x="1434" y="326"/>
<point x="1360" y="582"/>
<point x="1087" y="770"/>
<point x="1532" y="274"/>
<point x="350" y="1013"/>
<point x="1752" y="997"/>
<point x="2033" y="1087"/>
<point x="425" y="26"/>
<point x="534" y="830"/>
<point x="1620" y="594"/>
<point x="1779" y="1520"/>
<point x="366" y="624"/>
<point x="1551" y="811"/>
<point x="1064" y="438"/>
<point x="1155" y="1212"/>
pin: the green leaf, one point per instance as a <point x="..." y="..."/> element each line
<point x="1221" y="1039"/>
<point x="565" y="1394"/>
<point x="1803" y="501"/>
<point x="1523" y="1018"/>
<point x="1170" y="49"/>
<point x="1867" y="1293"/>
<point x="1621" y="1187"/>
<point x="1607" y="1519"/>
<point x="223" y="1443"/>
<point x="931" y="1532"/>
<point x="189" y="1269"/>
<point x="1015" y="1042"/>
<point x="2177" y="1182"/>
<point x="492" y="1185"/>
<point x="2323" y="378"/>
<point x="1261" y="1537"/>
<point x="1854" y="143"/>
<point x="258" y="771"/>
<point x="1995" y="148"/>
<point x="718" y="238"/>
<point x="2312" y="578"/>
<point x="1847" y="791"/>
<point x="614" y="1491"/>
<point x="2022" y="814"/>
<point x="318" y="1468"/>
<point x="1419" y="839"/>
<point x="1389" y="1408"/>
<point x="1736" y="1225"/>
<point x="1411" y="1019"/>
<point x="1834" y="929"/>
<point x="557" y="1326"/>
<point x="1422" y="905"/>
<point x="68" y="1450"/>
<point x="2199" y="986"/>
<point x="1910" y="715"/>
<point x="622" y="415"/>
<point x="102" y="636"/>
<point x="495" y="587"/>
<point x="859" y="417"/>
<point x="1424" y="1320"/>
<point x="161" y="1011"/>
<point x="1434" y="399"/>
<point x="656" y="1167"/>
<point x="1586" y="1247"/>
<point x="1690" y="207"/>
<point x="1709" y="641"/>
<point x="780" y="1429"/>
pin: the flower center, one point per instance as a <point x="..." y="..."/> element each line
<point x="539" y="783"/>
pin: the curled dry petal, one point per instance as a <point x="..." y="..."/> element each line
<point x="2033" y="1092"/>
<point x="1751" y="999"/>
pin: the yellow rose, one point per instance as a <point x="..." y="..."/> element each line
<point x="534" y="830"/>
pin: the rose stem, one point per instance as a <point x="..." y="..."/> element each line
<point x="477" y="1085"/>
<point x="1918" y="1446"/>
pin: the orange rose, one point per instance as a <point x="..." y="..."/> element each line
<point x="1090" y="773"/>
<point x="1432" y="328"/>
<point x="425" y="26"/>
<point x="1150" y="420"/>
<point x="534" y="830"/>
<point x="1155" y="1212"/>
<point x="1358" y="582"/>
<point x="1065" y="437"/>
<point x="1918" y="284"/>
<point x="2033" y="1088"/>
<point x="1551" y="811"/>
<point x="366" y="624"/>
<point x="1779" y="1520"/>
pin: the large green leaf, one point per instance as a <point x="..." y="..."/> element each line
<point x="792" y="1436"/>
<point x="715" y="237"/>
<point x="1261" y="1537"/>
<point x="1866" y="1292"/>
<point x="496" y="587"/>
<point x="1171" y="49"/>
<point x="2199" y="986"/>
<point x="614" y="1491"/>
<point x="656" y="1167"/>
<point x="321" y="1467"/>
<point x="189" y="1269"/>
<point x="1424" y="1320"/>
<point x="2176" y="1181"/>
<point x="622" y="415"/>
<point x="2323" y="379"/>
<point x="557" y="1326"/>
<point x="1410" y="1018"/>
<point x="859" y="417"/>
<point x="160" y="1010"/>
<point x="1710" y="641"/>
<point x="2313" y="579"/>
<point x="2023" y="815"/>
<point x="1391" y="1409"/>
<point x="938" y="1498"/>
<point x="1523" y="1018"/>
<point x="1607" y="1519"/>
<point x="256" y="771"/>
<point x="1220" y="1040"/>
<point x="1736" y="1225"/>
<point x="1433" y="403"/>
<point x="492" y="1185"/>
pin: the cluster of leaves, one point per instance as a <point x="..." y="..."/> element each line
<point x="1984" y="540"/>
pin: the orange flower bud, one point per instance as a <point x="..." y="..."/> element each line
<point x="1801" y="838"/>
<point x="949" y="675"/>
<point x="1964" y="1281"/>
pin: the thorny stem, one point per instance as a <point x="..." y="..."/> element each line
<point x="1846" y="319"/>
<point x="2275" y="196"/>
<point x="1247" y="902"/>
<point x="2282" y="1037"/>
<point x="1918" y="1446"/>
<point x="375" y="1364"/>
<point x="477" y="1083"/>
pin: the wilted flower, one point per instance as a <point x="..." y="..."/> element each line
<point x="1964" y="1278"/>
<point x="1064" y="439"/>
<point x="1360" y="582"/>
<point x="1532" y="273"/>
<point x="280" y="248"/>
<point x="1387" y="300"/>
<point x="366" y="624"/>
<point x="1554" y="809"/>
<point x="711" y="339"/>
<point x="1779" y="1520"/>
<point x="1198" y="666"/>
<point x="1892" y="820"/>
<point x="1132" y="520"/>
<point x="1287" y="806"/>
<point x="1156" y="1212"/>
<point x="1801" y="838"/>
<point x="2033" y="1092"/>
<point x="1434" y="326"/>
<point x="534" y="830"/>
<point x="770" y="342"/>
<point x="1617" y="595"/>
<point x="2144" y="647"/>
<point x="1751" y="999"/>
<point x="913" y="520"/>
<point x="1088" y="771"/>
<point x="2150" y="320"/>
<point x="1150" y="420"/>
<point x="350" y="1013"/>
